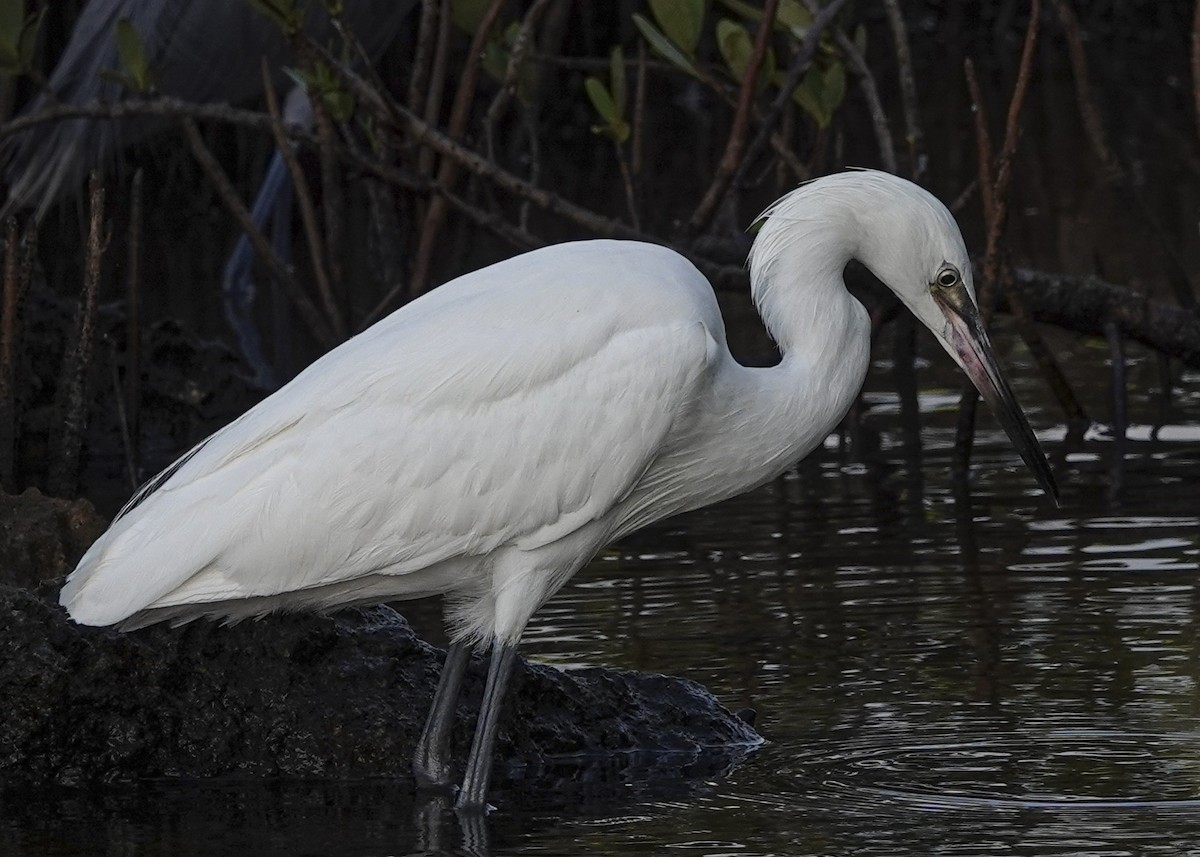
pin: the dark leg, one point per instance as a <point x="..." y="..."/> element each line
<point x="431" y="763"/>
<point x="473" y="797"/>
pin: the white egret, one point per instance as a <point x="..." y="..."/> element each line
<point x="486" y="440"/>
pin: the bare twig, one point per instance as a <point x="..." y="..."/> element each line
<point x="1043" y="356"/>
<point x="1120" y="411"/>
<point x="308" y="214"/>
<point x="72" y="393"/>
<point x="908" y="91"/>
<point x="1196" y="62"/>
<point x="866" y="81"/>
<point x="422" y="57"/>
<point x="162" y="107"/>
<point x="516" y="61"/>
<point x="332" y="206"/>
<point x="627" y="181"/>
<point x="736" y="143"/>
<point x="1012" y="134"/>
<point x="801" y="62"/>
<point x="983" y="141"/>
<point x="18" y="272"/>
<point x="307" y="309"/>
<point x="133" y="335"/>
<point x="995" y="216"/>
<point x="123" y="423"/>
<point x="1088" y="110"/>
<point x="448" y="171"/>
<point x="639" y="112"/>
<point x="437" y="83"/>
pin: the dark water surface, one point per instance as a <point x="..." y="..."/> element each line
<point x="979" y="675"/>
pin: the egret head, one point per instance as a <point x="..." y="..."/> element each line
<point x="910" y="241"/>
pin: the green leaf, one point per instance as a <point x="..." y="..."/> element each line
<point x="664" y="46"/>
<point x="821" y="92"/>
<point x="617" y="76"/>
<point x="808" y="96"/>
<point x="601" y="100"/>
<point x="792" y="16"/>
<point x="681" y="20"/>
<point x="495" y="60"/>
<point x="132" y="54"/>
<point x="735" y="45"/>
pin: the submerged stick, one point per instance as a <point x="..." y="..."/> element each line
<point x="1120" y="420"/>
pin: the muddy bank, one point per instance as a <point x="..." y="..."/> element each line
<point x="296" y="696"/>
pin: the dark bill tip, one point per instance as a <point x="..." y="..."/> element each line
<point x="971" y="343"/>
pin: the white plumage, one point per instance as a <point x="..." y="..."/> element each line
<point x="487" y="439"/>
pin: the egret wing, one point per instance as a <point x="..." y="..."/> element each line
<point x="404" y="448"/>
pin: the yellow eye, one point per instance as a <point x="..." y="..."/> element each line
<point x="946" y="278"/>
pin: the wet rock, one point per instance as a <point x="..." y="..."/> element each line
<point x="43" y="537"/>
<point x="307" y="696"/>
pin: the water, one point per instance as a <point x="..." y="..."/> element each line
<point x="936" y="673"/>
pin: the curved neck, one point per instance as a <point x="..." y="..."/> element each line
<point x="796" y="281"/>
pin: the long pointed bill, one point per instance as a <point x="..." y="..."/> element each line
<point x="974" y="350"/>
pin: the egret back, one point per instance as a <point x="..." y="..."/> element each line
<point x="502" y="411"/>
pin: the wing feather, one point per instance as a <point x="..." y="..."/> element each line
<point x="475" y="421"/>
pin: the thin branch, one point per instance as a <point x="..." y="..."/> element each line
<point x="448" y="171"/>
<point x="422" y="58"/>
<point x="736" y="143"/>
<point x="72" y="392"/>
<point x="639" y="111"/>
<point x="995" y="214"/>
<point x="132" y="394"/>
<point x="516" y="61"/>
<point x="908" y="91"/>
<point x="437" y="83"/>
<point x="1088" y="110"/>
<point x="332" y="205"/>
<point x="308" y="311"/>
<point x="1012" y="134"/>
<point x="796" y="71"/>
<point x="162" y="107"/>
<point x="308" y="214"/>
<point x="1196" y="62"/>
<point x="983" y="141"/>
<point x="879" y="120"/>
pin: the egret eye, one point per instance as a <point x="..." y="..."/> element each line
<point x="946" y="277"/>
